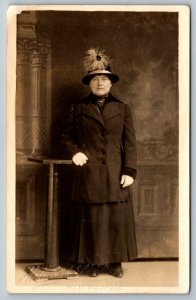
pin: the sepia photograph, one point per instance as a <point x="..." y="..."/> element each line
<point x="98" y="149"/>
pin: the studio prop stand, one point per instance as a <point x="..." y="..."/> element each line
<point x="51" y="268"/>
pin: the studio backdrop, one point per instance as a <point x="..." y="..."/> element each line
<point x="143" y="46"/>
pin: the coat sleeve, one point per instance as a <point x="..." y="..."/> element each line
<point x="129" y="145"/>
<point x="69" y="141"/>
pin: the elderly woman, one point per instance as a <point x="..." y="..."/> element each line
<point x="100" y="139"/>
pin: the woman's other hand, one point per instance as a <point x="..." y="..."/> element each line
<point x="79" y="159"/>
<point x="126" y="180"/>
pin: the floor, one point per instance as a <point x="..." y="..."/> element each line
<point x="156" y="274"/>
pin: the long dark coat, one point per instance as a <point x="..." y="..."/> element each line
<point x="108" y="140"/>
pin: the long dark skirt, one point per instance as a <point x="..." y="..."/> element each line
<point x="103" y="233"/>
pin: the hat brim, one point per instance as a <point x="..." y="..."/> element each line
<point x="113" y="77"/>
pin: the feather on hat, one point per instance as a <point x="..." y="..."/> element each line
<point x="97" y="63"/>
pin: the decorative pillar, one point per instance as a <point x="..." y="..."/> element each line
<point x="33" y="122"/>
<point x="33" y="89"/>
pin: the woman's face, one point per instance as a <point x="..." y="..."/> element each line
<point x="100" y="85"/>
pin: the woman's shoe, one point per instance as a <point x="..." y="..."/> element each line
<point x="115" y="269"/>
<point x="94" y="271"/>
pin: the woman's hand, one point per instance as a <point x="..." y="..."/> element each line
<point x="126" y="180"/>
<point x="79" y="159"/>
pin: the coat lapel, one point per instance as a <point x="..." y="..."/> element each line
<point x="92" y="111"/>
<point x="111" y="110"/>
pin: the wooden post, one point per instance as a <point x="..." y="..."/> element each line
<point x="51" y="268"/>
<point x="51" y="261"/>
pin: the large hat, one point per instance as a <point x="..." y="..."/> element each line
<point x="97" y="63"/>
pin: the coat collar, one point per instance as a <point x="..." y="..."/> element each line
<point x="111" y="109"/>
<point x="93" y="99"/>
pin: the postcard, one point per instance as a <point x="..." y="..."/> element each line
<point x="98" y="149"/>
